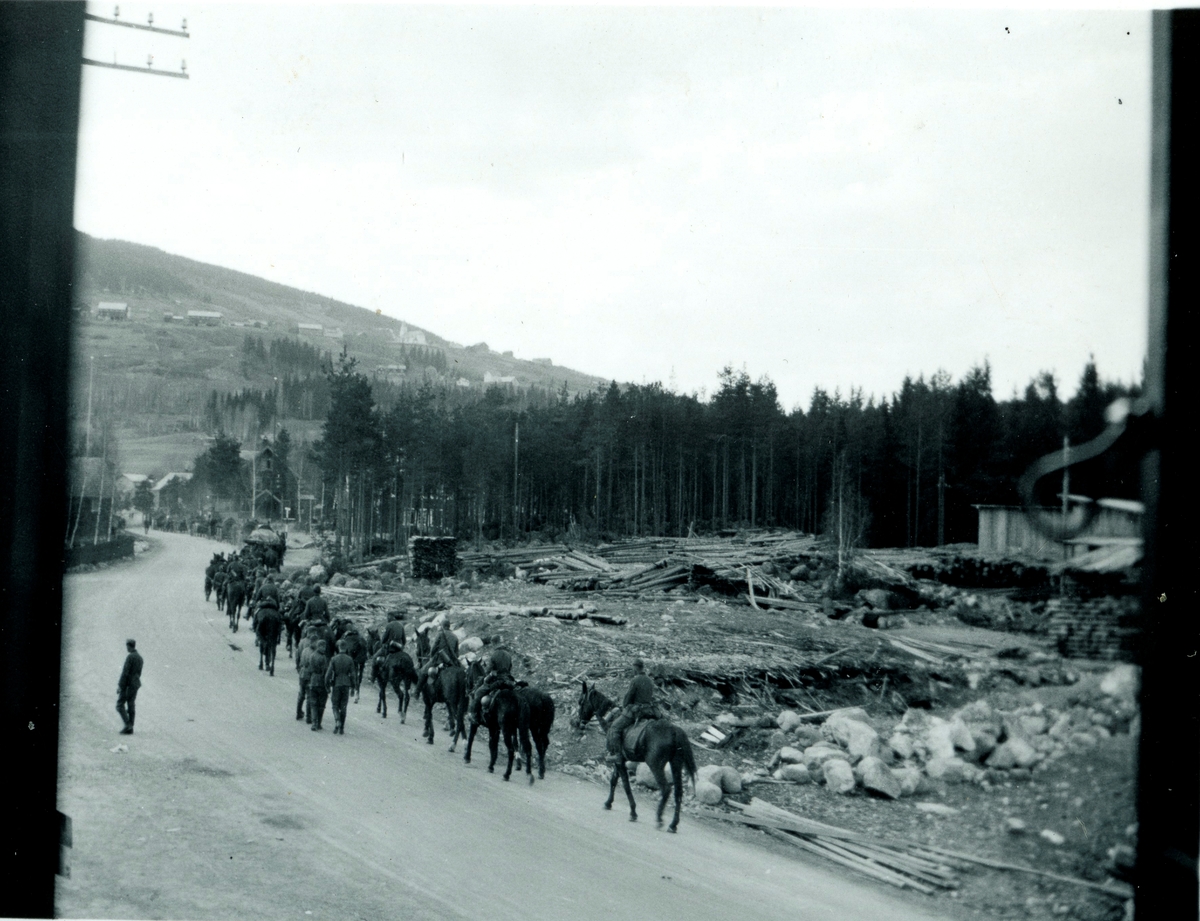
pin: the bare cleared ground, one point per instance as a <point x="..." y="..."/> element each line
<point x="224" y="806"/>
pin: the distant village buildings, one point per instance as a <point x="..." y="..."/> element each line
<point x="204" y="317"/>
<point x="111" y="310"/>
<point x="309" y="329"/>
<point x="490" y="378"/>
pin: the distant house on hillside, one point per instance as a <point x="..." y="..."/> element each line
<point x="204" y="317"/>
<point x="111" y="310"/>
<point x="310" y="329"/>
<point x="127" y="483"/>
<point x="168" y="490"/>
<point x="411" y="336"/>
<point x="462" y="382"/>
<point x="391" y="371"/>
<point x="334" y="334"/>
<point x="490" y="378"/>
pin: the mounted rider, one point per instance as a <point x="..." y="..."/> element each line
<point x="499" y="677"/>
<point x="443" y="651"/>
<point x="317" y="607"/>
<point x="393" y="634"/>
<point x="638" y="704"/>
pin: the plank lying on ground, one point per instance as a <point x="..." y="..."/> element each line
<point x="1114" y="888"/>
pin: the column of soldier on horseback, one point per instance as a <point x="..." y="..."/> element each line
<point x="474" y="688"/>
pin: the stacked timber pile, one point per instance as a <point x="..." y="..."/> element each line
<point x="905" y="865"/>
<point x="433" y="557"/>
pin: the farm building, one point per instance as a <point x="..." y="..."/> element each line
<point x="204" y="317"/>
<point x="490" y="378"/>
<point x="1007" y="529"/>
<point x="111" y="310"/>
<point x="311" y="329"/>
<point x="170" y="487"/>
<point x="333" y="333"/>
<point x="91" y="499"/>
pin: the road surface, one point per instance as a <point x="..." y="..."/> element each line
<point x="226" y="807"/>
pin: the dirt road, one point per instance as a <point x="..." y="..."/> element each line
<point x="225" y="806"/>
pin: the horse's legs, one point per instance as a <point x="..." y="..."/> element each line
<point x="470" y="741"/>
<point x="429" y="719"/>
<point x="526" y="750"/>
<point x="628" y="790"/>
<point x="402" y="704"/>
<point x="510" y="743"/>
<point x="664" y="791"/>
<point x="612" y="787"/>
<point x="493" y="747"/>
<point x="677" y="775"/>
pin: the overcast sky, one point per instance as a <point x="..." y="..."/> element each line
<point x="831" y="199"/>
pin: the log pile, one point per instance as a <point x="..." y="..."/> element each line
<point x="905" y="865"/>
<point x="433" y="557"/>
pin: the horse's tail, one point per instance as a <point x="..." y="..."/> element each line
<point x="689" y="759"/>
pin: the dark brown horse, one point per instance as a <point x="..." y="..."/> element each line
<point x="448" y="687"/>
<point x="395" y="669"/>
<point x="506" y="714"/>
<point x="660" y="743"/>
<point x="541" y="718"/>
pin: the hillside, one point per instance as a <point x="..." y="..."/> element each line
<point x="155" y="371"/>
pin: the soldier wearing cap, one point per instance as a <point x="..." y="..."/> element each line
<point x="339" y="680"/>
<point x="638" y="704"/>
<point x="303" y="708"/>
<point x="499" y="676"/>
<point x="393" y="634"/>
<point x="318" y="665"/>
<point x="128" y="684"/>
<point x="317" y="607"/>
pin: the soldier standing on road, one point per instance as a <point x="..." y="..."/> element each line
<point x="127" y="686"/>
<point x="303" y="710"/>
<point x="318" y="665"/>
<point x="339" y="679"/>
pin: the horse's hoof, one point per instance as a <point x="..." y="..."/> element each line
<point x="491" y="770"/>
<point x="633" y="818"/>
<point x="531" y="780"/>
<point x="506" y="777"/>
<point x="672" y="829"/>
<point x="608" y="806"/>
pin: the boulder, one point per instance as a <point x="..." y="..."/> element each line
<point x="788" y="720"/>
<point x="951" y="770"/>
<point x="1032" y="725"/>
<point x="901" y="745"/>
<point x="860" y="740"/>
<point x="645" y="776"/>
<point x="726" y="720"/>
<point x="911" y="780"/>
<point x="789" y="755"/>
<point x="1015" y="753"/>
<point x="318" y="574"/>
<point x="725" y="778"/>
<point x="708" y="793"/>
<point x="470" y="644"/>
<point x="807" y="735"/>
<point x="1053" y="837"/>
<point x="796" y="773"/>
<point x="353" y="583"/>
<point x="1122" y="682"/>
<point x="878" y="778"/>
<point x="839" y="776"/>
<point x="879" y="598"/>
<point x="338" y="580"/>
<point x="815" y="756"/>
<point x="1014" y="826"/>
<point x="778" y="739"/>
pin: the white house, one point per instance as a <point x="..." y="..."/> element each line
<point x="204" y="317"/>
<point x="111" y="310"/>
<point x="312" y="329"/>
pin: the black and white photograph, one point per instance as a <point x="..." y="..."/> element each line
<point x="599" y="461"/>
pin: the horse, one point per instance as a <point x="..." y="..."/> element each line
<point x="506" y="714"/>
<point x="235" y="597"/>
<point x="356" y="649"/>
<point x="395" y="668"/>
<point x="448" y="687"/>
<point x="658" y="742"/>
<point x="268" y="628"/>
<point x="292" y="625"/>
<point x="421" y="642"/>
<point x="541" y="718"/>
<point x="220" y="585"/>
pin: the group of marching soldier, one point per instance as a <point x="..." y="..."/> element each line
<point x="297" y="611"/>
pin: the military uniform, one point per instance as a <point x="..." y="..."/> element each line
<point x="394" y="633"/>
<point x="127" y="687"/>
<point x="303" y="710"/>
<point x="318" y="664"/>
<point x="442" y="652"/>
<point x="317" y="608"/>
<point x="638" y="704"/>
<point x="339" y="679"/>
<point x="499" y="676"/>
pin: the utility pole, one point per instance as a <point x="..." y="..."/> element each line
<point x="516" y="480"/>
<point x="942" y="509"/>
<point x="91" y="376"/>
<point x="116" y="20"/>
<point x="1066" y="486"/>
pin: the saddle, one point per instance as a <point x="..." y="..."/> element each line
<point x="631" y="739"/>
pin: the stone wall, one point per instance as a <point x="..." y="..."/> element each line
<point x="1095" y="628"/>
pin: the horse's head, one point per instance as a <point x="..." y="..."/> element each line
<point x="592" y="703"/>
